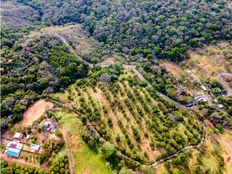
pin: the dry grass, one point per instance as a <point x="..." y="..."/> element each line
<point x="173" y="68"/>
<point x="75" y="36"/>
<point x="207" y="63"/>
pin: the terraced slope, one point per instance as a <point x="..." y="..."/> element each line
<point x="133" y="118"/>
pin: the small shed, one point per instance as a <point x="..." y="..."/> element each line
<point x="12" y="152"/>
<point x="35" y="148"/>
<point x="18" y="136"/>
<point x="27" y="137"/>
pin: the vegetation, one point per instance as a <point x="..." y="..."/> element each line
<point x="59" y="166"/>
<point x="126" y="114"/>
<point x="41" y="65"/>
<point x="118" y="122"/>
<point x="148" y="28"/>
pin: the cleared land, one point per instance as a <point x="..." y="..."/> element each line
<point x="172" y="68"/>
<point x="34" y="112"/>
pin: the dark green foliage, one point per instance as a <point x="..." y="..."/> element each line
<point x="150" y="28"/>
<point x="60" y="166"/>
<point x="43" y="65"/>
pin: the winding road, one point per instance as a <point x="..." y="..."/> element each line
<point x="220" y="79"/>
<point x="196" y="100"/>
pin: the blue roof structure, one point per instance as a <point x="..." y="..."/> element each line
<point x="13" y="152"/>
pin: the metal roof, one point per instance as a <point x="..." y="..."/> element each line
<point x="18" y="135"/>
<point x="13" y="152"/>
<point x="15" y="145"/>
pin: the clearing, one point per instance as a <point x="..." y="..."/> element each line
<point x="207" y="63"/>
<point x="34" y="112"/>
<point x="172" y="67"/>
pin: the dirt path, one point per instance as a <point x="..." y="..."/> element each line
<point x="34" y="112"/>
<point x="228" y="147"/>
<point x="20" y="161"/>
<point x="70" y="158"/>
<point x="155" y="164"/>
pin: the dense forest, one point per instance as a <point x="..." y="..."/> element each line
<point x="34" y="67"/>
<point x="148" y="28"/>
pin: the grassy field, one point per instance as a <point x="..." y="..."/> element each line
<point x="85" y="160"/>
<point x="135" y="120"/>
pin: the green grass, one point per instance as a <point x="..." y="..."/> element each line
<point x="85" y="160"/>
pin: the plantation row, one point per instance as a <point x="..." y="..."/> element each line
<point x="133" y="118"/>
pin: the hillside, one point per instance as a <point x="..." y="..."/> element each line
<point x="146" y="28"/>
<point x="33" y="69"/>
<point x="15" y="15"/>
<point x="116" y="87"/>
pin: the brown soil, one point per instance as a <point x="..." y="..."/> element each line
<point x="226" y="142"/>
<point x="35" y="111"/>
<point x="145" y="146"/>
<point x="74" y="143"/>
<point x="171" y="67"/>
<point x="84" y="171"/>
<point x="108" y="61"/>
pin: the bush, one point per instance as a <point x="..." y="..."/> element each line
<point x="108" y="150"/>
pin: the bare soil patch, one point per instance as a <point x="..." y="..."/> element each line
<point x="35" y="111"/>
<point x="85" y="171"/>
<point x="74" y="141"/>
<point x="172" y="67"/>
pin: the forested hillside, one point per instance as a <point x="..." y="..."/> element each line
<point x="150" y="28"/>
<point x="32" y="67"/>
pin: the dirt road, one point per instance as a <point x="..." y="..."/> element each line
<point x="20" y="161"/>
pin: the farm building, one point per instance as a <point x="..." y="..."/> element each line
<point x="49" y="126"/>
<point x="18" y="136"/>
<point x="35" y="148"/>
<point x="12" y="152"/>
<point x="15" y="145"/>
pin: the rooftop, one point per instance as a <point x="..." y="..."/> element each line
<point x="13" y="152"/>
<point x="15" y="145"/>
<point x="18" y="135"/>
